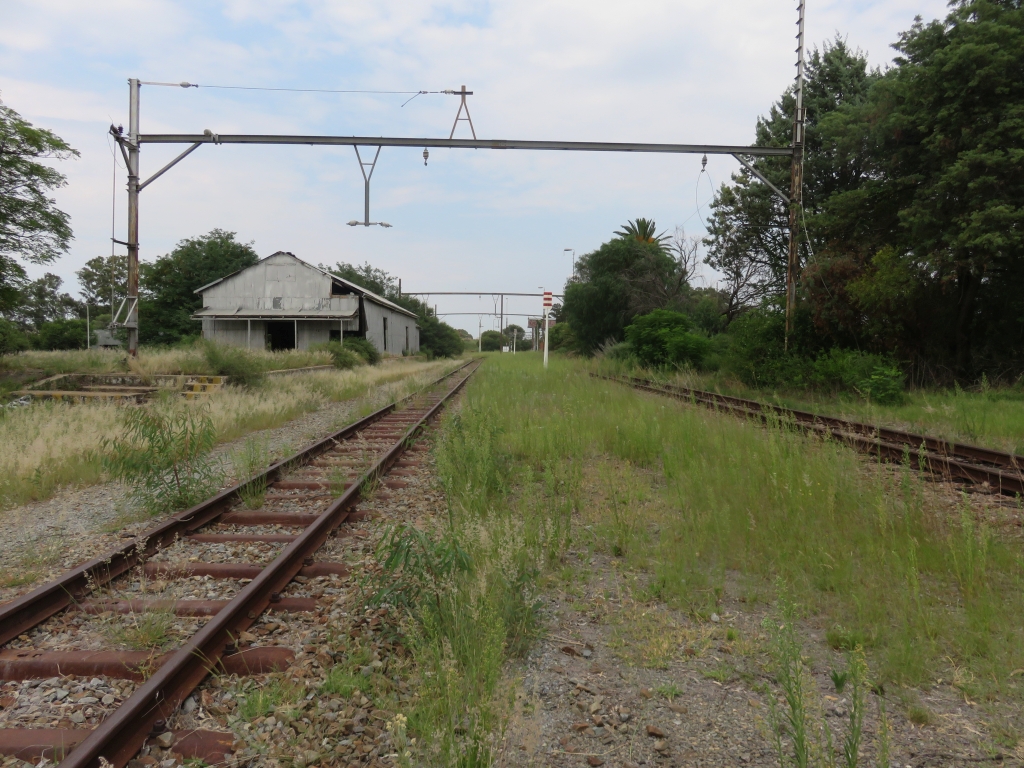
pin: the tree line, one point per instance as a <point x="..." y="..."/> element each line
<point x="912" y="226"/>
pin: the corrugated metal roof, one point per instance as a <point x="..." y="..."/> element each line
<point x="277" y="314"/>
<point x="366" y="293"/>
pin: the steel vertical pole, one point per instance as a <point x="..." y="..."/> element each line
<point x="796" y="178"/>
<point x="366" y="205"/>
<point x="546" y="310"/>
<point x="132" y="321"/>
<point x="501" y="323"/>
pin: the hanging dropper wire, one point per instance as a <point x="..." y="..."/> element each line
<point x="696" y="188"/>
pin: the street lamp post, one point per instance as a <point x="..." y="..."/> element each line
<point x="566" y="250"/>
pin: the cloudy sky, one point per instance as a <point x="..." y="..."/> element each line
<point x="688" y="71"/>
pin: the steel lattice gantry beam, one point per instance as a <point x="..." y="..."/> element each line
<point x="387" y="141"/>
<point x="132" y="143"/>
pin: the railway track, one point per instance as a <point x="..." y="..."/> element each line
<point x="1001" y="472"/>
<point x="308" y="496"/>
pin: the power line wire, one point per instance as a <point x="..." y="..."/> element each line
<point x="186" y="84"/>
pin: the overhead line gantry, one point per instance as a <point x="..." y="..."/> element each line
<point x="132" y="142"/>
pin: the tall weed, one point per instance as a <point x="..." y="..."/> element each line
<point x="250" y="461"/>
<point x="467" y="594"/>
<point x="242" y="367"/>
<point x="163" y="456"/>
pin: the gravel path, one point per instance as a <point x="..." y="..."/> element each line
<point x="47" y="537"/>
<point x="620" y="680"/>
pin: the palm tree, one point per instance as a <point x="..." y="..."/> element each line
<point x="643" y="230"/>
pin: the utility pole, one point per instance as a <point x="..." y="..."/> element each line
<point x="547" y="310"/>
<point x="796" y="178"/>
<point x="132" y="320"/>
<point x="479" y="335"/>
<point x="501" y="323"/>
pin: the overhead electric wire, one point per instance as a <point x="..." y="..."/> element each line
<point x="186" y="84"/>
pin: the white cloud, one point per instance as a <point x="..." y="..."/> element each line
<point x="650" y="71"/>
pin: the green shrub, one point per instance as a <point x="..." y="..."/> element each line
<point x="491" y="341"/>
<point x="364" y="348"/>
<point x="242" y="368"/>
<point x="439" y="339"/>
<point x="756" y="353"/>
<point x="562" y="337"/>
<point x="884" y="386"/>
<point x="621" y="350"/>
<point x="340" y="357"/>
<point x="163" y="457"/>
<point x="662" y="338"/>
<point x="843" y="369"/>
<point x="12" y="339"/>
<point x="61" y="334"/>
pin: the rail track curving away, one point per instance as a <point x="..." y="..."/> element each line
<point x="308" y="496"/>
<point x="1001" y="472"/>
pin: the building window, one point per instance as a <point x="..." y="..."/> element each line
<point x="385" y="334"/>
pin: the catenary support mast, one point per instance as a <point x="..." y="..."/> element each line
<point x="796" y="181"/>
<point x="132" y="300"/>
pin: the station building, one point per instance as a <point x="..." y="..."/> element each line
<point x="281" y="302"/>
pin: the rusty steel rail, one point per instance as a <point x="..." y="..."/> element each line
<point x="123" y="733"/>
<point x="25" y="612"/>
<point x="117" y="738"/>
<point x="1000" y="470"/>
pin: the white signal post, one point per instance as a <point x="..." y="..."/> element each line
<point x="547" y="309"/>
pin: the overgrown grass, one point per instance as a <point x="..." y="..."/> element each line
<point x="867" y="551"/>
<point x="984" y="415"/>
<point x="50" y="445"/>
<point x="170" y="360"/>
<point x="148" y="631"/>
<point x="261" y="700"/>
<point x="469" y="589"/>
<point x="250" y="460"/>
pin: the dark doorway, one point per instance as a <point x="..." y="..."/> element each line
<point x="281" y="334"/>
<point x="335" y="335"/>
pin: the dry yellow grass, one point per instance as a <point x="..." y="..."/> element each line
<point x="50" y="445"/>
<point x="149" y="361"/>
